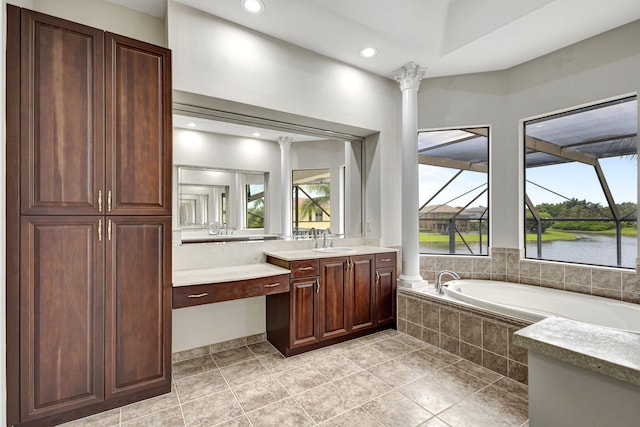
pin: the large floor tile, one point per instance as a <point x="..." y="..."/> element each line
<point x="392" y="348"/>
<point x="257" y="394"/>
<point x="301" y="379"/>
<point x="366" y="357"/>
<point x="149" y="406"/>
<point x="491" y="406"/>
<point x="242" y="421"/>
<point x="422" y="363"/>
<point x="438" y="392"/>
<point x="244" y="372"/>
<point x="200" y="385"/>
<point x="171" y="417"/>
<point x="478" y="371"/>
<point x="278" y="363"/>
<point x="362" y="386"/>
<point x="355" y="417"/>
<point x="233" y="356"/>
<point x="283" y="413"/>
<point x="325" y="402"/>
<point x="193" y="366"/>
<point x="212" y="409"/>
<point x="263" y="348"/>
<point x="396" y="410"/>
<point x="335" y="367"/>
<point x="394" y="373"/>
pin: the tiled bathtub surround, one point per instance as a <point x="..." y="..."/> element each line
<point x="474" y="335"/>
<point x="383" y="379"/>
<point x="508" y="265"/>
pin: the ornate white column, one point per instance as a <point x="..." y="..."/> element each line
<point x="409" y="78"/>
<point x="285" y="180"/>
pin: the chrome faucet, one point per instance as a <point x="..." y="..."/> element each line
<point x="439" y="286"/>
<point x="312" y="232"/>
<point x="324" y="237"/>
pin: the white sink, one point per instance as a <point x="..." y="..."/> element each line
<point x="336" y="249"/>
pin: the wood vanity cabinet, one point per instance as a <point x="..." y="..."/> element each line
<point x="89" y="191"/>
<point x="331" y="300"/>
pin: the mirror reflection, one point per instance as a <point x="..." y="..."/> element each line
<point x="228" y="182"/>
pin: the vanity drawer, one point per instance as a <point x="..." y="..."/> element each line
<point x="304" y="268"/>
<point x="187" y="296"/>
<point x="386" y="260"/>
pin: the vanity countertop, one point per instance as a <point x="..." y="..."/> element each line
<point x="295" y="255"/>
<point x="600" y="349"/>
<point x="232" y="273"/>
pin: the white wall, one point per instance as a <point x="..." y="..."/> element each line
<point x="602" y="67"/>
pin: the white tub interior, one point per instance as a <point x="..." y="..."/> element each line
<point x="535" y="303"/>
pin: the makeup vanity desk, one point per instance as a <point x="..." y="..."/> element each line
<point x="208" y="285"/>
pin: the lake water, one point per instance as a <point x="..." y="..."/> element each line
<point x="597" y="249"/>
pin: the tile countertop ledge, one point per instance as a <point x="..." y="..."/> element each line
<point x="295" y="255"/>
<point x="600" y="349"/>
<point x="202" y="276"/>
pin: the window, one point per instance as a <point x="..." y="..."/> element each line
<point x="454" y="191"/>
<point x="255" y="205"/>
<point x="311" y="200"/>
<point x="581" y="185"/>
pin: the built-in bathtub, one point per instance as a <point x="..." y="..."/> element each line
<point x="476" y="319"/>
<point x="533" y="303"/>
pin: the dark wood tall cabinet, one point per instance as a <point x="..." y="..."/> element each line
<point x="89" y="275"/>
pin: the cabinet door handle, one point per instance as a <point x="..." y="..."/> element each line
<point x="385" y="259"/>
<point x="99" y="230"/>
<point x="109" y="230"/>
<point x="99" y="200"/>
<point x="318" y="286"/>
<point x="109" y="201"/>
<point x="377" y="277"/>
<point x="204" y="294"/>
<point x="305" y="268"/>
<point x="273" y="285"/>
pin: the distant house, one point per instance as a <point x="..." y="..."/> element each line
<point x="436" y="218"/>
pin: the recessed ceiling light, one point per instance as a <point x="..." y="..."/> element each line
<point x="256" y="134"/>
<point x="192" y="125"/>
<point x="252" y="6"/>
<point x="368" y="52"/>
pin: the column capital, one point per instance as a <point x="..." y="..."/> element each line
<point x="285" y="142"/>
<point x="409" y="76"/>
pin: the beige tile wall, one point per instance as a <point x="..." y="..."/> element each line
<point x="508" y="265"/>
<point x="471" y="334"/>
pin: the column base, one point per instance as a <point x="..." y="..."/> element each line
<point x="411" y="281"/>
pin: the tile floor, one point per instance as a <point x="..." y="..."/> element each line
<point x="384" y="379"/>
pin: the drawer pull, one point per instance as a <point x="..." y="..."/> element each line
<point x="273" y="285"/>
<point x="386" y="260"/>
<point x="204" y="294"/>
<point x="305" y="268"/>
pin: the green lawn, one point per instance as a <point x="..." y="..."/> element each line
<point x="474" y="238"/>
<point x="547" y="236"/>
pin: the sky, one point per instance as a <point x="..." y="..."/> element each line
<point x="573" y="180"/>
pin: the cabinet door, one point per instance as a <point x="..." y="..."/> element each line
<point x="334" y="298"/>
<point x="385" y="295"/>
<point x="61" y="314"/>
<point x="62" y="116"/>
<point x="362" y="292"/>
<point x="138" y="305"/>
<point x="138" y="127"/>
<point x="304" y="311"/>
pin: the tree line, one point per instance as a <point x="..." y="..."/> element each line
<point x="580" y="215"/>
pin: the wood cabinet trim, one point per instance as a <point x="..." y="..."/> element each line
<point x="192" y="295"/>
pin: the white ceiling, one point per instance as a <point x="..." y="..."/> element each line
<point x="448" y="37"/>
